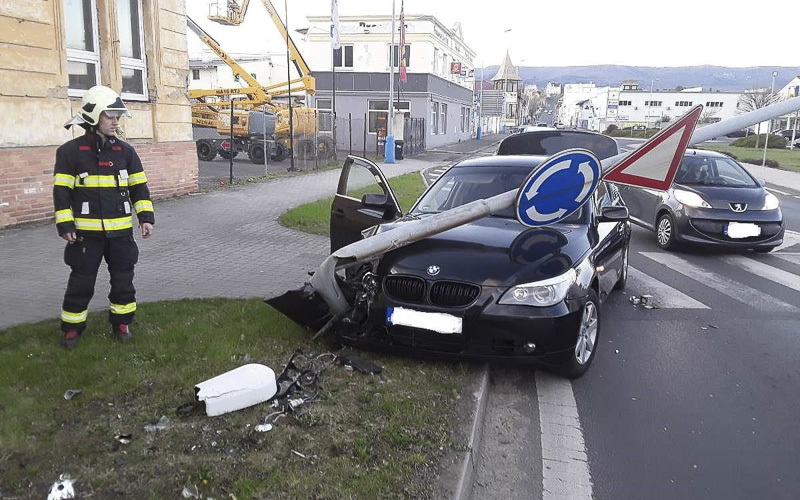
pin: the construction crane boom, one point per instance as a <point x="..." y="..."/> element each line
<point x="235" y="15"/>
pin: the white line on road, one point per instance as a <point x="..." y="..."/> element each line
<point x="565" y="466"/>
<point x="792" y="257"/>
<point x="790" y="238"/>
<point x="665" y="296"/>
<point x="732" y="289"/>
<point x="773" y="190"/>
<point x="758" y="268"/>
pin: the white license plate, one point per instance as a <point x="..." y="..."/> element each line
<point x="437" y="322"/>
<point x="742" y="230"/>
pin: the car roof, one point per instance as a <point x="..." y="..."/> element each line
<point x="705" y="153"/>
<point x="529" y="161"/>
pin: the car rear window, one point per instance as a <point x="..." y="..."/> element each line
<point x="548" y="143"/>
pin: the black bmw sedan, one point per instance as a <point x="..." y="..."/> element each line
<point x="713" y="202"/>
<point x="490" y="289"/>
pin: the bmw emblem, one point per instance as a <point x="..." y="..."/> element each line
<point x="433" y="270"/>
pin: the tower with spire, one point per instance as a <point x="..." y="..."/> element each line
<point x="508" y="80"/>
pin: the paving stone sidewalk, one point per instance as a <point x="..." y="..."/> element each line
<point x="226" y="243"/>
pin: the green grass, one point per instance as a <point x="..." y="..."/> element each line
<point x="315" y="217"/>
<point x="787" y="159"/>
<point x="364" y="437"/>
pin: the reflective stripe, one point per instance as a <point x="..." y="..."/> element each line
<point x="122" y="309"/>
<point x="123" y="181"/>
<point x="65" y="180"/>
<point x="68" y="317"/>
<point x="121" y="223"/>
<point x="137" y="178"/>
<point x="101" y="224"/>
<point x="88" y="224"/>
<point x="98" y="181"/>
<point x="141" y="206"/>
<point x="64" y="216"/>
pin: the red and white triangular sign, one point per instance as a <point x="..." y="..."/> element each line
<point x="656" y="162"/>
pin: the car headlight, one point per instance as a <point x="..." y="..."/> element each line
<point x="540" y="293"/>
<point x="771" y="202"/>
<point x="690" y="199"/>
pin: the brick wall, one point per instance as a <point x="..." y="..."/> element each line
<point x="26" y="178"/>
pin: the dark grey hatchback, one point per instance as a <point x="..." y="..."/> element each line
<point x="713" y="201"/>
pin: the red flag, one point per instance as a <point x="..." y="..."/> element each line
<point x="403" y="77"/>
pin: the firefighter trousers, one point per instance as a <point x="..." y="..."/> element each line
<point x="84" y="257"/>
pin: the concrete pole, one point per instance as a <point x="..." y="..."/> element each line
<point x="388" y="155"/>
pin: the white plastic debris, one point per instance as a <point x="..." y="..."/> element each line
<point x="264" y="428"/>
<point x="62" y="489"/>
<point x="162" y="425"/>
<point x="245" y="386"/>
<point x="71" y="393"/>
<point x="190" y="492"/>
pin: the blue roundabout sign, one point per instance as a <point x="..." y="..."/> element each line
<point x="558" y="187"/>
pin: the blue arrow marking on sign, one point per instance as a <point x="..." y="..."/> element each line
<point x="557" y="188"/>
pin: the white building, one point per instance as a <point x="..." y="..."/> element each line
<point x="206" y="71"/>
<point x="440" y="71"/>
<point x="508" y="81"/>
<point x="552" y="89"/>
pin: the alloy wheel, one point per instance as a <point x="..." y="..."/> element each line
<point x="664" y="232"/>
<point x="588" y="334"/>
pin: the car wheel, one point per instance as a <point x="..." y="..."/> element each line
<point x="623" y="275"/>
<point x="206" y="151"/>
<point x="665" y="232"/>
<point x="588" y="332"/>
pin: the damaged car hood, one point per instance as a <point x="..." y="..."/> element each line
<point x="492" y="251"/>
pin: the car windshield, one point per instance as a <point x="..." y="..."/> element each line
<point x="462" y="185"/>
<point x="713" y="171"/>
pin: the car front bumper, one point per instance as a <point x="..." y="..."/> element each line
<point x="490" y="331"/>
<point x="708" y="227"/>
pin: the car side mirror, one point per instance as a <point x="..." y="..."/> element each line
<point x="374" y="200"/>
<point x="613" y="214"/>
<point x="761" y="182"/>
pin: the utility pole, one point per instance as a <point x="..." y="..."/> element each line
<point x="289" y="80"/>
<point x="388" y="152"/>
<point x="480" y="107"/>
<point x="769" y="122"/>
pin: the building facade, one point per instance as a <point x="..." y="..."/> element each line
<point x="508" y="81"/>
<point x="53" y="51"/>
<point x="439" y="67"/>
<point x="207" y="71"/>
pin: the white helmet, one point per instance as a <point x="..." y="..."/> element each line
<point x="95" y="101"/>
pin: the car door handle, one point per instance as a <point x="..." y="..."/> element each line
<point x="338" y="212"/>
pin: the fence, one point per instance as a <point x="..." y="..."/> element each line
<point x="315" y="142"/>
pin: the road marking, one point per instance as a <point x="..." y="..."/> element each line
<point x="758" y="268"/>
<point x="565" y="466"/>
<point x="665" y="296"/>
<point x="732" y="289"/>
<point x="773" y="190"/>
<point x="794" y="258"/>
<point x="790" y="238"/>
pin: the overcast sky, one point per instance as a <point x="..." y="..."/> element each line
<point x="562" y="32"/>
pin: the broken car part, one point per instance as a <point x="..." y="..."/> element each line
<point x="360" y="364"/>
<point x="71" y="393"/>
<point x="239" y="388"/>
<point x="162" y="425"/>
<point x="62" y="489"/>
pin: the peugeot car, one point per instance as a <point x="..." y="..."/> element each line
<point x="713" y="201"/>
<point x="490" y="289"/>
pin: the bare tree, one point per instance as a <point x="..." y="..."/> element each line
<point x="754" y="99"/>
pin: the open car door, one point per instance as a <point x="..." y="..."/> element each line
<point x="363" y="199"/>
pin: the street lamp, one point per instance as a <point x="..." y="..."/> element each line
<point x="769" y="122"/>
<point x="650" y="106"/>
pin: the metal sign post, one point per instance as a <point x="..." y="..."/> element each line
<point x="230" y="151"/>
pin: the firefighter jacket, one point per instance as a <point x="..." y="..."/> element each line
<point x="98" y="186"/>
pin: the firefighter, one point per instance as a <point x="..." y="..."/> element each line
<point x="99" y="184"/>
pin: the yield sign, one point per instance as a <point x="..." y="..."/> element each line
<point x="655" y="164"/>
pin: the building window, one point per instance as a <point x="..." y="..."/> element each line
<point x="435" y="61"/>
<point x="325" y="110"/>
<point x="714" y="104"/>
<point x="463" y="118"/>
<point x="435" y="118"/>
<point x="195" y="74"/>
<point x="624" y="103"/>
<point x="131" y="47"/>
<point x="395" y="55"/>
<point x="83" y="53"/>
<point x="254" y="76"/>
<point x="652" y="103"/>
<point x="348" y="57"/>
<point x="379" y="113"/>
<point x="683" y="103"/>
<point x="443" y="119"/>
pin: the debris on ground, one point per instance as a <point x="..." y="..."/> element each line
<point x="123" y="438"/>
<point x="299" y="454"/>
<point x="162" y="425"/>
<point x="239" y="388"/>
<point x="362" y="365"/>
<point x="645" y="301"/>
<point x="62" y="489"/>
<point x="190" y="492"/>
<point x="263" y="427"/>
<point x="71" y="393"/>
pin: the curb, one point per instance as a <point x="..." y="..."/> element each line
<point x="463" y="488"/>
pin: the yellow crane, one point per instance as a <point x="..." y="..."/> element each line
<point x="209" y="105"/>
